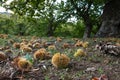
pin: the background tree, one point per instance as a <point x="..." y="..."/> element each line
<point x="87" y="10"/>
<point x="50" y="11"/>
<point x="54" y="15"/>
<point x="48" y="17"/>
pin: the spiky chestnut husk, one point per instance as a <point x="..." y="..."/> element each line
<point x="2" y="56"/>
<point x="25" y="48"/>
<point x="85" y="44"/>
<point x="59" y="39"/>
<point x="16" y="45"/>
<point x="24" y="64"/>
<point x="66" y="45"/>
<point x="78" y="43"/>
<point x="51" y="47"/>
<point x="79" y="52"/>
<point x="60" y="60"/>
<point x="40" y="54"/>
<point x="36" y="45"/>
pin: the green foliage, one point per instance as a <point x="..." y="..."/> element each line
<point x="49" y="12"/>
<point x="71" y="29"/>
<point x="6" y="24"/>
<point x="48" y="17"/>
<point x="25" y="7"/>
<point x="79" y="29"/>
<point x="87" y="10"/>
<point x="29" y="57"/>
<point x="33" y="26"/>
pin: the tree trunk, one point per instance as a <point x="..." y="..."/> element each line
<point x="50" y="31"/>
<point x="21" y="29"/>
<point x="110" y="26"/>
<point x="88" y="26"/>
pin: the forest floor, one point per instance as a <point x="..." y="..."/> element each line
<point x="94" y="64"/>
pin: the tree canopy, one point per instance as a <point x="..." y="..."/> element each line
<point x="53" y="14"/>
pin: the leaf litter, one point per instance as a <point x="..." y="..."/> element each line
<point x="97" y="63"/>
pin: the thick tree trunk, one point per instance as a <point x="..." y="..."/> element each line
<point x="110" y="26"/>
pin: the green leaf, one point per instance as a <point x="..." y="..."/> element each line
<point x="29" y="57"/>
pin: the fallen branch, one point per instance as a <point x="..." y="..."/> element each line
<point x="108" y="48"/>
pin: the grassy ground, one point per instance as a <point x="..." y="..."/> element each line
<point x="94" y="64"/>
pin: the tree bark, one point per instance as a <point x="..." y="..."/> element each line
<point x="110" y="26"/>
<point x="84" y="13"/>
<point x="88" y="26"/>
<point x="50" y="30"/>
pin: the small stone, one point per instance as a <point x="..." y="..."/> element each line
<point x="91" y="69"/>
